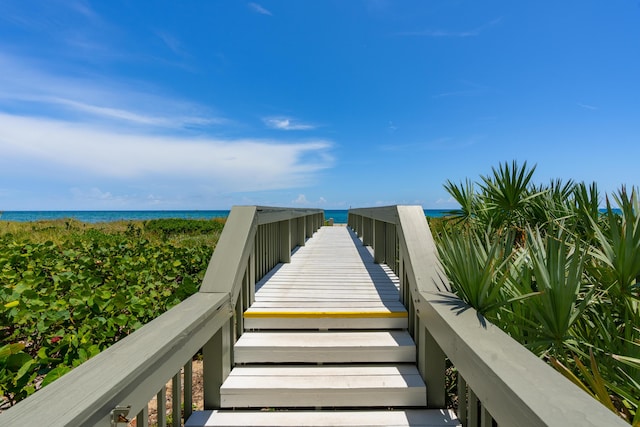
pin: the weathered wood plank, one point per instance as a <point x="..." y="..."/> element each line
<point x="325" y="386"/>
<point x="396" y="418"/>
<point x="325" y="347"/>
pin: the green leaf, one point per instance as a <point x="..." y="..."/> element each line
<point x="24" y="369"/>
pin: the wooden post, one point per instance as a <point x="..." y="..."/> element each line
<point x="301" y="231"/>
<point x="142" y="419"/>
<point x="401" y="276"/>
<point x="216" y="365"/>
<point x="379" y="246"/>
<point x="486" y="420"/>
<point x="252" y="278"/>
<point x="176" y="400"/>
<point x="462" y="400"/>
<point x="435" y="371"/>
<point x="188" y="390"/>
<point x="472" y="415"/>
<point x="391" y="247"/>
<point x="285" y="241"/>
<point x="161" y="405"/>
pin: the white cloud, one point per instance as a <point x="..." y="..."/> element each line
<point x="302" y="200"/>
<point x="132" y="116"/>
<point x="235" y="165"/>
<point x="450" y="201"/>
<point x="286" y="123"/>
<point x="259" y="9"/>
<point x="587" y="106"/>
<point x="131" y="103"/>
<point x="455" y="34"/>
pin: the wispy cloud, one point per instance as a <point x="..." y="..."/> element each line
<point x="25" y="83"/>
<point x="453" y="34"/>
<point x="46" y="145"/>
<point x="302" y="200"/>
<point x="587" y="106"/>
<point x="172" y="43"/>
<point x="286" y="123"/>
<point x="259" y="9"/>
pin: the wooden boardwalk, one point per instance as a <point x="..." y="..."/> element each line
<point x="331" y="283"/>
<point x="325" y="343"/>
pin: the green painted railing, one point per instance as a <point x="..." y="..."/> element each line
<point x="124" y="378"/>
<point x="499" y="381"/>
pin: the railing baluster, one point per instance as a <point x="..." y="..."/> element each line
<point x="436" y="367"/>
<point x="284" y="231"/>
<point x="378" y="242"/>
<point x="161" y="405"/>
<point x="462" y="399"/>
<point x="473" y="418"/>
<point x="176" y="400"/>
<point x="486" y="420"/>
<point x="251" y="294"/>
<point x="142" y="419"/>
<point x="188" y="389"/>
<point x="216" y="365"/>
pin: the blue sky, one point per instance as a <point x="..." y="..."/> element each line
<point x="207" y="104"/>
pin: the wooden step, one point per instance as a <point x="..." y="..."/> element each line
<point x="397" y="418"/>
<point x="323" y="386"/>
<point x="325" y="347"/>
<point x="327" y="321"/>
<point x="312" y="314"/>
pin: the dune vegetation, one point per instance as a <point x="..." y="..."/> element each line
<point x="71" y="289"/>
<point x="556" y="273"/>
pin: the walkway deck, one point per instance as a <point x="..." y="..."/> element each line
<point x="331" y="283"/>
<point x="326" y="331"/>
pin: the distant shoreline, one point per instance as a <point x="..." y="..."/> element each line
<point x="339" y="215"/>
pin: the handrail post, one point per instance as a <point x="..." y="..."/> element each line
<point x="285" y="240"/>
<point x="216" y="365"/>
<point x="309" y="222"/>
<point x="301" y="231"/>
<point x="379" y="244"/>
<point x="434" y="369"/>
<point x="251" y="294"/>
<point x="391" y="247"/>
<point x="367" y="234"/>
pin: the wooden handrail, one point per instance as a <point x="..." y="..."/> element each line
<point x="514" y="387"/>
<point x="129" y="373"/>
<point x="132" y="371"/>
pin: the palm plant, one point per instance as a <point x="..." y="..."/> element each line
<point x="620" y="243"/>
<point x="586" y="208"/>
<point x="552" y="204"/>
<point x="476" y="266"/>
<point x="544" y="264"/>
<point x="464" y="194"/>
<point x="557" y="269"/>
<point x="508" y="195"/>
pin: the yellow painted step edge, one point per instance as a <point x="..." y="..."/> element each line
<point x="320" y="314"/>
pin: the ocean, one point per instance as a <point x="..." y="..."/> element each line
<point x="339" y="216"/>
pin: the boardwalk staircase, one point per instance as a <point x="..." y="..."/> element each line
<point x="325" y="344"/>
<point x="303" y="325"/>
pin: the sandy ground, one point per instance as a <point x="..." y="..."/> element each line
<point x="197" y="390"/>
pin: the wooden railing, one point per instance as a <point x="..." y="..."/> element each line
<point x="499" y="381"/>
<point x="124" y="378"/>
